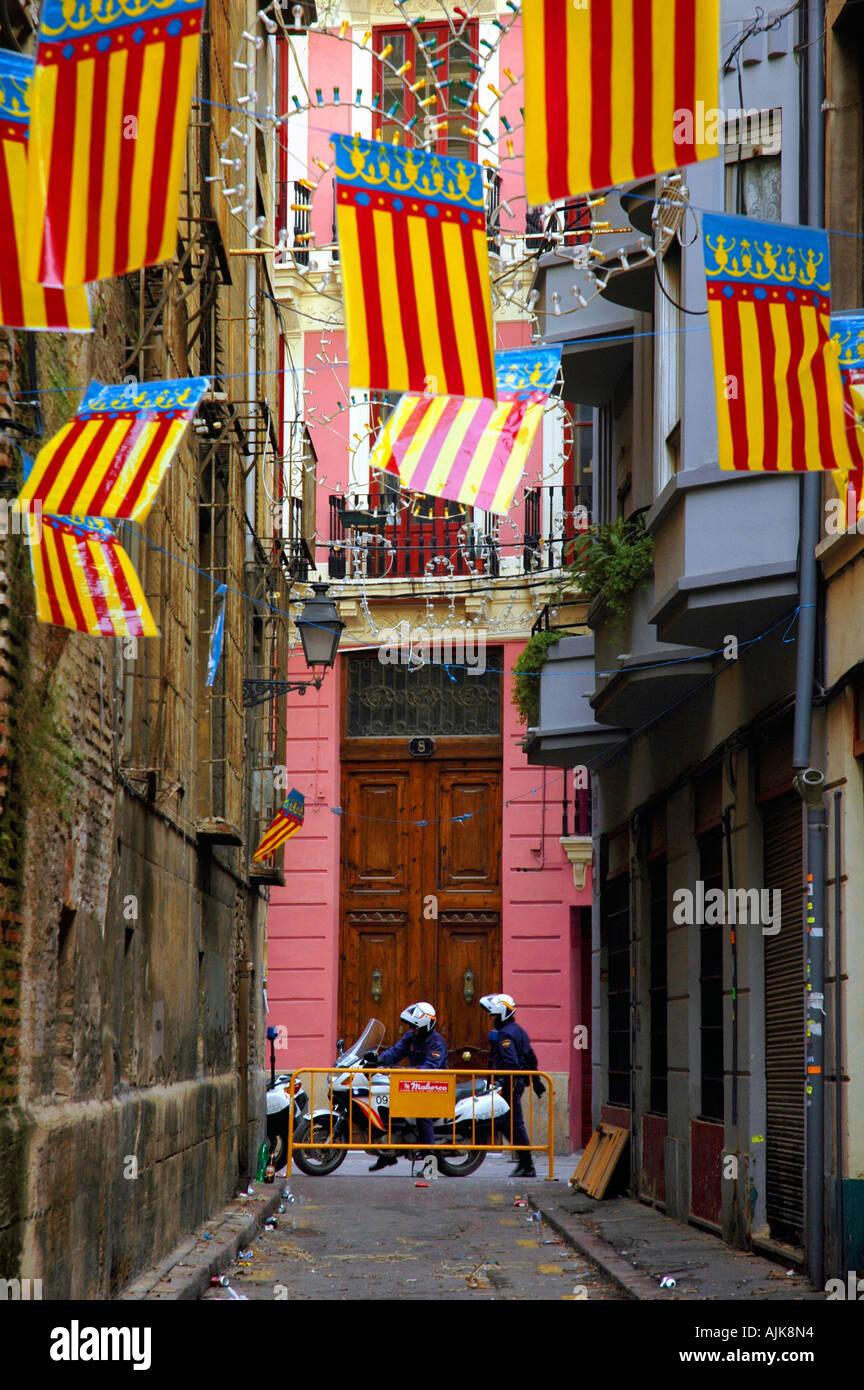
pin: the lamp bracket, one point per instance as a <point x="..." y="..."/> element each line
<point x="256" y="692"/>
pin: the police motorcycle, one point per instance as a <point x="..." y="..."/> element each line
<point x="280" y="1103"/>
<point x="363" y="1103"/>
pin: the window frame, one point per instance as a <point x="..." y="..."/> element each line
<point x="382" y="35"/>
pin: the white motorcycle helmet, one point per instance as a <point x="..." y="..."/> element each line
<point x="420" y="1015"/>
<point x="500" y="1006"/>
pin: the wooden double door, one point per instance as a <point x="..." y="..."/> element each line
<point x="421" y="888"/>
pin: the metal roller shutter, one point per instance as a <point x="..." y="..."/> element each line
<point x="784" y="1023"/>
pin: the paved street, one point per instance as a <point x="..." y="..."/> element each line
<point x="357" y="1235"/>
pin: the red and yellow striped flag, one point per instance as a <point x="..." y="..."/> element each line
<point x="24" y="304"/>
<point x="286" y="822"/>
<point x="84" y="580"/>
<point x="415" y="265"/>
<point x="616" y="90"/>
<point x="847" y="331"/>
<point x="471" y="451"/>
<point x="110" y="458"/>
<point x="777" y="382"/>
<point x="111" y="99"/>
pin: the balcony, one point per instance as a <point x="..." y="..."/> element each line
<point x="638" y="677"/>
<point x="387" y="534"/>
<point x="569" y="734"/>
<point x="710" y="528"/>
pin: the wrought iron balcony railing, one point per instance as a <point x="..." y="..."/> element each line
<point x="386" y="534"/>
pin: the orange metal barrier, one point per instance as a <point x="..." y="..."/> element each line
<point x="375" y="1131"/>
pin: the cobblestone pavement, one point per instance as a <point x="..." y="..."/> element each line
<point x="359" y="1235"/>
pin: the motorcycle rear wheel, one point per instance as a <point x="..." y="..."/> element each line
<point x="460" y="1164"/>
<point x="317" y="1163"/>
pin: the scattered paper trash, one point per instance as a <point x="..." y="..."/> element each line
<point x="667" y="1282"/>
<point x="476" y="1279"/>
<point x="207" y="1235"/>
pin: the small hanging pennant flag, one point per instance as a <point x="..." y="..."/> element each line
<point x="84" y="580"/>
<point x="111" y="98"/>
<point x="777" y="383"/>
<point x="617" y="90"/>
<point x="110" y="458"/>
<point x="287" y="822"/>
<point x="471" y="451"/>
<point x="847" y="331"/>
<point x="216" y="634"/>
<point x="25" y="304"/>
<point x="415" y="262"/>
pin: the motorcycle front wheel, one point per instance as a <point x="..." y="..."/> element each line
<point x="461" y="1163"/>
<point x="317" y="1163"/>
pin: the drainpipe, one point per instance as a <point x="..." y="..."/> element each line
<point x="809" y="783"/>
<point x="838" y="1046"/>
<point x="811" y="211"/>
<point x="809" y="786"/>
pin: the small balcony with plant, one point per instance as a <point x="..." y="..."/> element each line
<point x="637" y="675"/>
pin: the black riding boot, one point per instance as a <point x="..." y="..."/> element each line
<point x="526" y="1168"/>
<point x="382" y="1161"/>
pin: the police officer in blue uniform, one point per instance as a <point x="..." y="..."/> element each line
<point x="424" y="1049"/>
<point x="512" y="1051"/>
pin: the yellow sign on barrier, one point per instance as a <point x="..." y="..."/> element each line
<point x="422" y="1093"/>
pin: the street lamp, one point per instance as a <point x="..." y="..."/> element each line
<point x="320" y="628"/>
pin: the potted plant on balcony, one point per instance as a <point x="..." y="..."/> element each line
<point x="608" y="562"/>
<point x="529" y="664"/>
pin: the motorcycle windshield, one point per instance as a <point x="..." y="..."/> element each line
<point x="371" y="1037"/>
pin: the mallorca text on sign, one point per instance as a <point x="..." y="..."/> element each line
<point x="422" y="1093"/>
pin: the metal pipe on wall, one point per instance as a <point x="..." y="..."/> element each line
<point x="840" y="1211"/>
<point x="809" y="783"/>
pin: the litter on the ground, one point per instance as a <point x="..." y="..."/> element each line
<point x="667" y="1282"/>
<point x="476" y="1279"/>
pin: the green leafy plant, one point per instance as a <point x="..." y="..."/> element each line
<point x="612" y="560"/>
<point x="526" y="687"/>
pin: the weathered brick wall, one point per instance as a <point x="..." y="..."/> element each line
<point x="131" y="1084"/>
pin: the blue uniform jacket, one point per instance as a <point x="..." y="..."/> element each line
<point x="423" y="1050"/>
<point x="511" y="1048"/>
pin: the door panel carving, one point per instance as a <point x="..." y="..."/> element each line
<point x="375" y="833"/>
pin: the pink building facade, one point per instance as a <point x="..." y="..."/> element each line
<point x="541" y="918"/>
